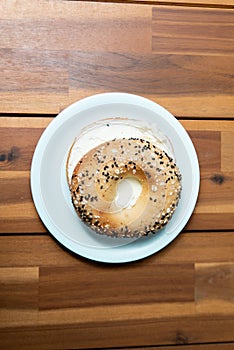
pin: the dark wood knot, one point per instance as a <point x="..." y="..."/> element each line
<point x="181" y="338"/>
<point x="3" y="157"/>
<point x="10" y="156"/>
<point x="218" y="179"/>
<point x="13" y="154"/>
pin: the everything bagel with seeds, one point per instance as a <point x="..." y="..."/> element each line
<point x="97" y="175"/>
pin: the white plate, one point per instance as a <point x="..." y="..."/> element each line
<point x="50" y="190"/>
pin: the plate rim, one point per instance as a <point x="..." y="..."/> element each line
<point x="120" y="254"/>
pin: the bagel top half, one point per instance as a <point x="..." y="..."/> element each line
<point x="97" y="175"/>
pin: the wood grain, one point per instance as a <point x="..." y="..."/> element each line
<point x="36" y="70"/>
<point x="115" y="301"/>
<point x="163" y="323"/>
<point x="182" y="330"/>
<point x="227" y="155"/>
<point x="19" y="287"/>
<point x="211" y="279"/>
<point x="59" y="288"/>
<point x="155" y="74"/>
<point x="65" y="51"/>
<point x="193" y="247"/>
<point x="16" y="192"/>
<point x="78" y="26"/>
<point x="71" y="9"/>
<point x="208" y="148"/>
<point x="214" y="208"/>
<point x="63" y="8"/>
<point x="178" y="53"/>
<point x="188" y="31"/>
<point x="17" y="147"/>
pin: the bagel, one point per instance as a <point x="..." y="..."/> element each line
<point x="97" y="175"/>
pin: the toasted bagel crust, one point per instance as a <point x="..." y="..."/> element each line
<point x="95" y="179"/>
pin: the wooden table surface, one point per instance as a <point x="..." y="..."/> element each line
<point x="179" y="54"/>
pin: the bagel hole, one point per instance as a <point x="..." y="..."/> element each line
<point x="128" y="191"/>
